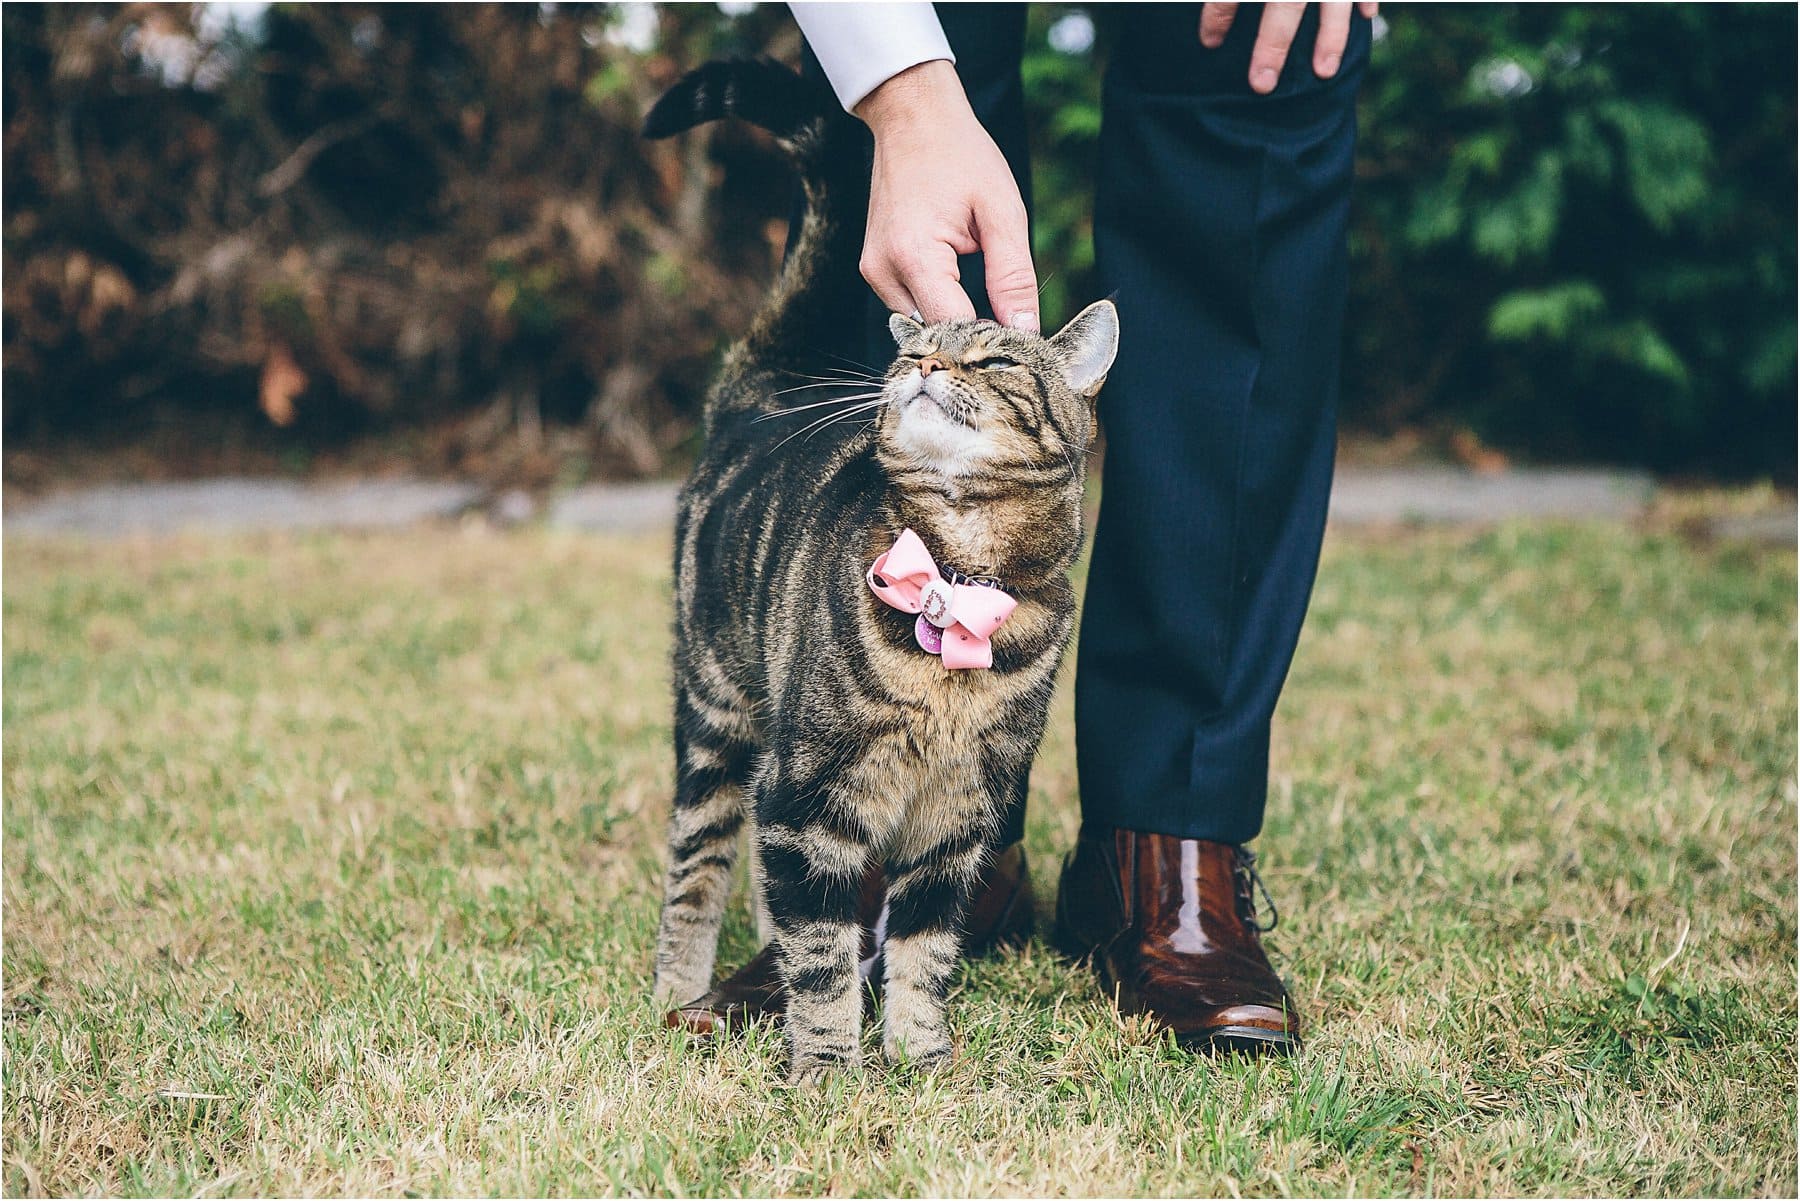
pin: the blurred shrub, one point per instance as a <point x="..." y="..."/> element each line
<point x="1062" y="88"/>
<point x="370" y="216"/>
<point x="1574" y="231"/>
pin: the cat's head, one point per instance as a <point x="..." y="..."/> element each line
<point x="973" y="397"/>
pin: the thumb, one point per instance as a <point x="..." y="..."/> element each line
<point x="1012" y="285"/>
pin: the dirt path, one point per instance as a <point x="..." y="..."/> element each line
<point x="1361" y="496"/>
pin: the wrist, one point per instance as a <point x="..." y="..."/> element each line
<point x="923" y="92"/>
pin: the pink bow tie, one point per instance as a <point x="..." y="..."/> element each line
<point x="955" y="620"/>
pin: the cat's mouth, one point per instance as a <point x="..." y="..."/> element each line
<point x="946" y="406"/>
<point x="943" y="401"/>
<point x="937" y="431"/>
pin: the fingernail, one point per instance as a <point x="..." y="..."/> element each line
<point x="1025" y="321"/>
<point x="1328" y="66"/>
<point x="1264" y="79"/>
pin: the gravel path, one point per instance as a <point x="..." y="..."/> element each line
<point x="236" y="505"/>
<point x="1362" y="496"/>
<point x="1369" y="496"/>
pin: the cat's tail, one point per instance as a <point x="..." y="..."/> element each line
<point x="760" y="91"/>
<point x="820" y="289"/>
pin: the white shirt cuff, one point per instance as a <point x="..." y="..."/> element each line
<point x="862" y="46"/>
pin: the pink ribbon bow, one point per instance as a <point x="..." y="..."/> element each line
<point x="955" y="620"/>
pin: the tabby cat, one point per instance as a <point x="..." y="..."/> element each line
<point x="804" y="701"/>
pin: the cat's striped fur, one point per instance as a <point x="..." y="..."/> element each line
<point x="803" y="705"/>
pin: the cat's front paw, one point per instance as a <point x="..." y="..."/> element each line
<point x="677" y="987"/>
<point x="926" y="1052"/>
<point x="932" y="1064"/>
<point x="812" y="1071"/>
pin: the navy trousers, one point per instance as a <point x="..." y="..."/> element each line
<point x="1219" y="229"/>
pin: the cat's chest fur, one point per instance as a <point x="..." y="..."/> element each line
<point x="929" y="749"/>
<point x="983" y="538"/>
<point x="922" y="773"/>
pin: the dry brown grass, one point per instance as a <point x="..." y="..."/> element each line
<point x="331" y="867"/>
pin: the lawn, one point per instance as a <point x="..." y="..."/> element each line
<point x="332" y="865"/>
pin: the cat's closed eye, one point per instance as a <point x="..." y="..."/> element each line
<point x="997" y="362"/>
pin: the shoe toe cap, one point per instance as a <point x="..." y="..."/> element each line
<point x="695" y="1019"/>
<point x="1252" y="1029"/>
<point x="1275" y="1019"/>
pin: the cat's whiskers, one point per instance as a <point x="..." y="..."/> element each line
<point x="852" y="412"/>
<point x="836" y="379"/>
<point x="837" y="373"/>
<point x="817" y="404"/>
<point x="844" y="414"/>
<point x="846" y="383"/>
<point x="862" y="367"/>
<point x="1071" y="450"/>
<point x="833" y="418"/>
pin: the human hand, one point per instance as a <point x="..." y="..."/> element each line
<point x="1275" y="36"/>
<point x="941" y="188"/>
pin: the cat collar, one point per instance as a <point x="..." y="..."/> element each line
<point x="957" y="615"/>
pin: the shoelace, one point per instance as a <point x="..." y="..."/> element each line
<point x="1249" y="884"/>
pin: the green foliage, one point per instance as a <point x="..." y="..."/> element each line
<point x="1549" y="312"/>
<point x="1575" y="231"/>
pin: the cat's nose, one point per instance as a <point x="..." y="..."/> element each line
<point x="928" y="365"/>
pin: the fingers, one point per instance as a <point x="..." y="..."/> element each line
<point x="1334" y="33"/>
<point x="1006" y="250"/>
<point x="926" y="280"/>
<point x="939" y="187"/>
<point x="917" y="277"/>
<point x="885" y="283"/>
<point x="1275" y="37"/>
<point x="1215" y="23"/>
<point x="939" y="297"/>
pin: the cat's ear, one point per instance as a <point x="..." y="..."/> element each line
<point x="1086" y="346"/>
<point x="903" y="327"/>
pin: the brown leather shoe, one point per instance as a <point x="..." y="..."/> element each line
<point x="1170" y="926"/>
<point x="1002" y="915"/>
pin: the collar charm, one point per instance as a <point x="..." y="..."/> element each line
<point x="956" y="620"/>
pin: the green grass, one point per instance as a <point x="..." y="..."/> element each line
<point x="332" y="865"/>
